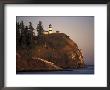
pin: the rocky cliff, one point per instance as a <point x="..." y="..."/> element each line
<point x="57" y="52"/>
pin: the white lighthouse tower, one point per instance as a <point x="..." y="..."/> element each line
<point x="50" y="29"/>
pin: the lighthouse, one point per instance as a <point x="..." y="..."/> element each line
<point x="50" y="29"/>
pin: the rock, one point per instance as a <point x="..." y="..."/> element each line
<point x="35" y="64"/>
<point x="57" y="52"/>
<point x="61" y="50"/>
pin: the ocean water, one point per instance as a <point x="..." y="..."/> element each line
<point x="89" y="69"/>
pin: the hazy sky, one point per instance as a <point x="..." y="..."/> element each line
<point x="79" y="28"/>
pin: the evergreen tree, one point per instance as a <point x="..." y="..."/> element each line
<point x="22" y="27"/>
<point x="30" y="35"/>
<point x="30" y="26"/>
<point x="17" y="34"/>
<point x="22" y="33"/>
<point x="40" y="29"/>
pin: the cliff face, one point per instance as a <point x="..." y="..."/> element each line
<point x="57" y="52"/>
<point x="35" y="64"/>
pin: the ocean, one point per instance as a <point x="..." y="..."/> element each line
<point x="89" y="69"/>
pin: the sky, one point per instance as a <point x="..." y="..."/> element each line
<point x="79" y="28"/>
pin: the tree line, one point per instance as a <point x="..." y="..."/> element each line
<point x="25" y="35"/>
